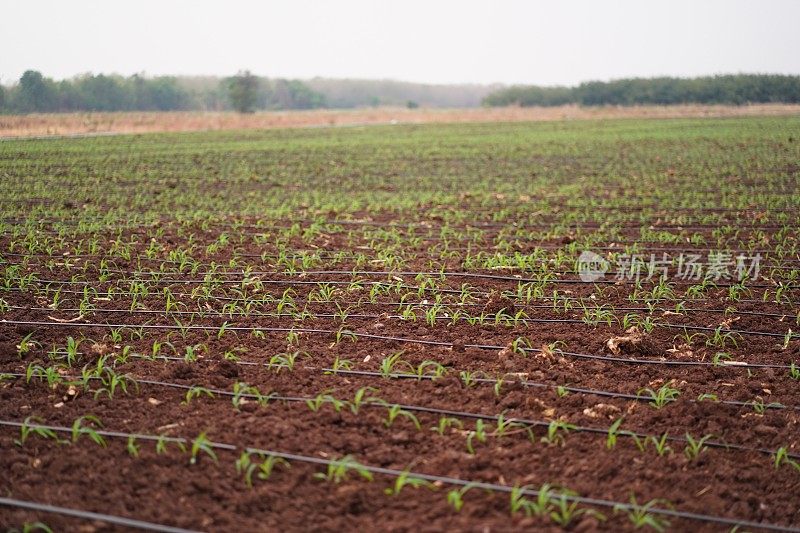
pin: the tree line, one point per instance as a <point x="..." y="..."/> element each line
<point x="35" y="93"/>
<point x="736" y="89"/>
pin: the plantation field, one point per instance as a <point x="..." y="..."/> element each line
<point x="580" y="325"/>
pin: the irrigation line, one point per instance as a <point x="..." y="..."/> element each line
<point x="220" y="282"/>
<point x="295" y="253"/>
<point x="540" y="223"/>
<point x="441" y="275"/>
<point x="89" y="515"/>
<point x="686" y="327"/>
<point x="444" y="344"/>
<point x="559" y="281"/>
<point x="447" y="306"/>
<point x="492" y="487"/>
<point x="430" y="238"/>
<point x="111" y="293"/>
<point x="479" y="241"/>
<point x="449" y="412"/>
<point x="482" y="380"/>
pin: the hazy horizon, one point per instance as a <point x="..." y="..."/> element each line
<point x="446" y="42"/>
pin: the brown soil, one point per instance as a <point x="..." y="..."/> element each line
<point x="211" y="496"/>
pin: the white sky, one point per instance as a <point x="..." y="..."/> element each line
<point x="438" y="41"/>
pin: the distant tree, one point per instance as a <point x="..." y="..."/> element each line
<point x="104" y="93"/>
<point x="243" y="92"/>
<point x="2" y="98"/>
<point x="734" y="89"/>
<point x="35" y="93"/>
<point x="411" y="104"/>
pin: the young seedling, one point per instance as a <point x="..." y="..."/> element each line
<point x="660" y="443"/>
<point x="78" y="429"/>
<point x="132" y="447"/>
<point x="201" y="444"/>
<point x="390" y="363"/>
<point x="360" y="398"/>
<point x="337" y="470"/>
<point x="455" y="497"/>
<point x="707" y="397"/>
<point x="285" y="360"/>
<point x="478" y="433"/>
<point x="30" y="427"/>
<point x="781" y="457"/>
<point x="431" y="369"/>
<point x="694" y="447"/>
<point x="26" y="345"/>
<point x="406" y="480"/>
<point x="340" y="364"/>
<point x="557" y="431"/>
<point x="613" y="433"/>
<point x="563" y="511"/>
<point x="395" y="411"/>
<point x="661" y="397"/>
<point x="196" y="392"/>
<point x="111" y="381"/>
<point x="163" y="440"/>
<point x="640" y="515"/>
<point x="446" y="423"/>
<point x="321" y="399"/>
<point x="504" y="426"/>
<point x="264" y="468"/>
<point x="344" y="334"/>
<point x="760" y="407"/>
<point x="521" y="345"/>
<point x="242" y="392"/>
<point x="470" y="379"/>
<point x="540" y="507"/>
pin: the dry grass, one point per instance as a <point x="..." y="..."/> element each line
<point x="141" y="122"/>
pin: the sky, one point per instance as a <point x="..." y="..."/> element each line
<point x="436" y="41"/>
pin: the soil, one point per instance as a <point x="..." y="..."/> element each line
<point x="165" y="488"/>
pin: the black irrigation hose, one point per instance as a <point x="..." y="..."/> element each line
<point x="390" y="338"/>
<point x="493" y="487"/>
<point x="103" y="223"/>
<point x="368" y="316"/>
<point x="431" y="273"/>
<point x="484" y="380"/>
<point x="740" y="332"/>
<point x="434" y="224"/>
<point x="409" y="287"/>
<point x="559" y="281"/>
<point x="393" y="304"/>
<point x="620" y="247"/>
<point x="456" y="414"/>
<point x="89" y="515"/>
<point x="322" y="254"/>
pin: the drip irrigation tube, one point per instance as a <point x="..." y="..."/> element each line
<point x="494" y="487"/>
<point x="389" y="338"/>
<point x="89" y="515"/>
<point x="458" y="414"/>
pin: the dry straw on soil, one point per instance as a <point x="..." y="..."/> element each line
<point x="142" y="122"/>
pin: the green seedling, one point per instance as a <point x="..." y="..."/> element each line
<point x="337" y="470"/>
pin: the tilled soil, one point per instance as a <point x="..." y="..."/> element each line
<point x="403" y="339"/>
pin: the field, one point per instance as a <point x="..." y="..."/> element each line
<point x="587" y="324"/>
<point x="143" y="122"/>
